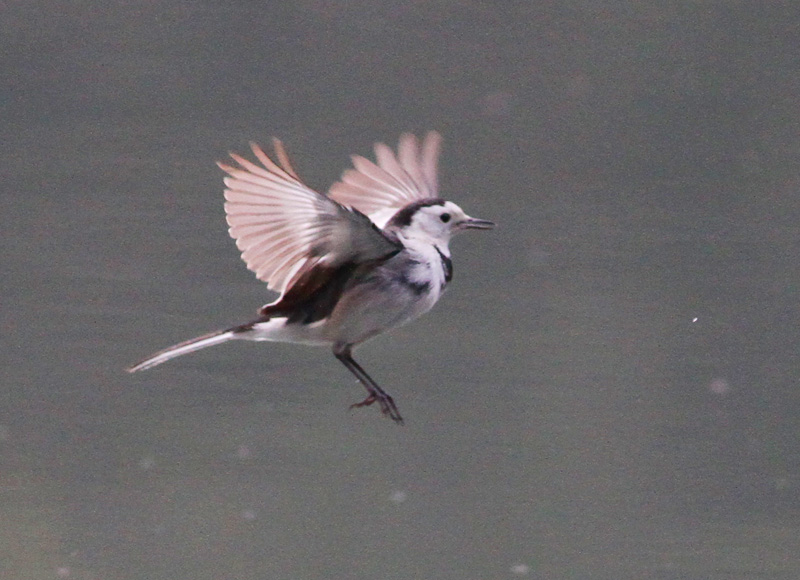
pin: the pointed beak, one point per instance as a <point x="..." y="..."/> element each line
<point x="476" y="224"/>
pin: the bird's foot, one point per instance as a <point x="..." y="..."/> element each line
<point x="387" y="406"/>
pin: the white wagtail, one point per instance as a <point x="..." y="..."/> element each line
<point x="371" y="255"/>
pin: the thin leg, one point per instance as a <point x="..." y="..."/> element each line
<point x="375" y="392"/>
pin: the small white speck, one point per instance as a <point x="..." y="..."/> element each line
<point x="62" y="572"/>
<point x="694" y="319"/>
<point x="520" y="569"/>
<point x="398" y="496"/>
<point x="719" y="386"/>
<point x="147" y="463"/>
<point x="249" y="515"/>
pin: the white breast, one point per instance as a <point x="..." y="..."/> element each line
<point x="405" y="287"/>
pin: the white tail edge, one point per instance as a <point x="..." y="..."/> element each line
<point x="183" y="348"/>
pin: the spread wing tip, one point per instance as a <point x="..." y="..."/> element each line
<point x="396" y="179"/>
<point x="283" y="167"/>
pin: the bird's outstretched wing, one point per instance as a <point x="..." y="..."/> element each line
<point x="381" y="189"/>
<point x="284" y="228"/>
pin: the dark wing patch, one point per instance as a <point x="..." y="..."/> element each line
<point x="316" y="292"/>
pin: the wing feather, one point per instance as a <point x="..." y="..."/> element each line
<point x="283" y="227"/>
<point x="429" y="161"/>
<point x="395" y="181"/>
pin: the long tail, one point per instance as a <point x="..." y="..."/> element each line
<point x="185" y="347"/>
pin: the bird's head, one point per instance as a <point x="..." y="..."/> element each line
<point x="435" y="220"/>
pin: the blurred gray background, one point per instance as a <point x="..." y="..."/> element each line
<point x="609" y="390"/>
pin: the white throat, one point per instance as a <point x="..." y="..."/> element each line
<point x="417" y="239"/>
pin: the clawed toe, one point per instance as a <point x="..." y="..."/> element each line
<point x="365" y="403"/>
<point x="387" y="406"/>
<point x="342" y="352"/>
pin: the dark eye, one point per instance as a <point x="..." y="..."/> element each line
<point x="445" y="217"/>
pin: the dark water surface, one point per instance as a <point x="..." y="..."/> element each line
<point x="608" y="391"/>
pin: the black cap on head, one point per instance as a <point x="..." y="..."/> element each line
<point x="403" y="217"/>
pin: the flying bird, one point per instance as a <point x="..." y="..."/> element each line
<point x="371" y="255"/>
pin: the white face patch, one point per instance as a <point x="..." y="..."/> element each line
<point x="436" y="222"/>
